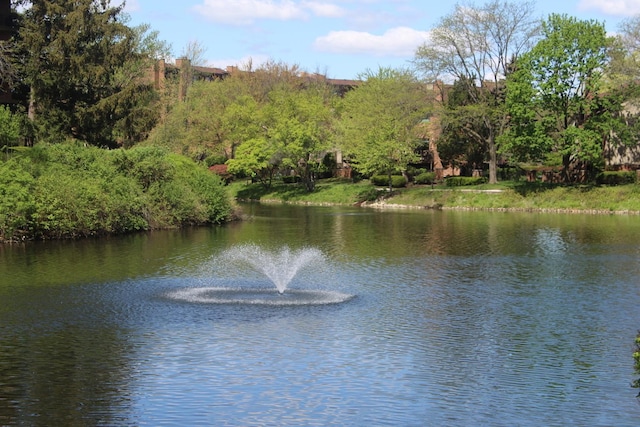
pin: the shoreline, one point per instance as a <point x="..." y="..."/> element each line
<point x="397" y="206"/>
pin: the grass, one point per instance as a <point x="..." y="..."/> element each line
<point x="329" y="191"/>
<point x="508" y="195"/>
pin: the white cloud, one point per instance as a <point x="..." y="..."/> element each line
<point x="245" y="12"/>
<point x="612" y="7"/>
<point x="400" y="41"/>
<point x="324" y="10"/>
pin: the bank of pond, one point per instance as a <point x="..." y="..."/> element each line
<point x="73" y="191"/>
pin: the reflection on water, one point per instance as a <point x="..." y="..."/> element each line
<point x="460" y="319"/>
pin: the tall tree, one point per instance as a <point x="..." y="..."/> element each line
<point x="462" y="116"/>
<point x="294" y="130"/>
<point x="555" y="100"/>
<point x="78" y="53"/>
<point x="476" y="44"/>
<point x="380" y="120"/>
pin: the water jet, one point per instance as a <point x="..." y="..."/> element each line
<point x="279" y="266"/>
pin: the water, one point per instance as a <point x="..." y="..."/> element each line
<point x="279" y="266"/>
<point x="457" y="319"/>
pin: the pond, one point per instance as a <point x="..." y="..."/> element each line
<point x="452" y="318"/>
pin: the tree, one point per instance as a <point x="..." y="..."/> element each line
<point x="625" y="54"/>
<point x="379" y="121"/>
<point x="214" y="119"/>
<point x="84" y="77"/>
<point x="462" y="117"/>
<point x="293" y="132"/>
<point x="300" y="122"/>
<point x="476" y="44"/>
<point x="555" y="99"/>
<point x="9" y="128"/>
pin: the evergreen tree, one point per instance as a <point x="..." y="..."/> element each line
<point x="76" y="55"/>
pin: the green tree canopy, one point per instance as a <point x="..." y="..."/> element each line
<point x="83" y="65"/>
<point x="475" y="45"/>
<point x="554" y="98"/>
<point x="379" y="121"/>
<point x="294" y="130"/>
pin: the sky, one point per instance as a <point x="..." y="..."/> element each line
<point x="338" y="38"/>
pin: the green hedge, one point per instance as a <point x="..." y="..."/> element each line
<point x="616" y="178"/>
<point x="460" y="181"/>
<point x="68" y="191"/>
<point x="425" y="178"/>
<point x="397" y="181"/>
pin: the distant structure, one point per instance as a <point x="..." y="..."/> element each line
<point x="186" y="73"/>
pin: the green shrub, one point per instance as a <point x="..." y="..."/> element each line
<point x="147" y="164"/>
<point x="397" y="181"/>
<point x="460" y="181"/>
<point x="78" y="191"/>
<point x="290" y="179"/>
<point x="9" y="127"/>
<point x="425" y="178"/>
<point x="215" y="160"/>
<point x="16" y="200"/>
<point x="616" y="177"/>
<point x="368" y="195"/>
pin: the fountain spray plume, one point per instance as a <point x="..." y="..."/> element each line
<point x="279" y="266"/>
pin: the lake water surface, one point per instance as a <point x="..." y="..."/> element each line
<point x="457" y="319"/>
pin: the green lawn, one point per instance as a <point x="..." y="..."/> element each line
<point x="505" y="195"/>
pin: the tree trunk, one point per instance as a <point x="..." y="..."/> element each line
<point x="434" y="131"/>
<point x="493" y="160"/>
<point x="31" y="114"/>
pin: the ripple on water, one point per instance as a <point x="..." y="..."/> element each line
<point x="271" y="297"/>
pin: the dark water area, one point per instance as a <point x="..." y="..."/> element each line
<point x="454" y="319"/>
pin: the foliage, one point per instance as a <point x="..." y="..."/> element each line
<point x="474" y="46"/>
<point x="212" y="120"/>
<point x="554" y="96"/>
<point x="397" y="181"/>
<point x="616" y="178"/>
<point x="464" y="116"/>
<point x="69" y="190"/>
<point x="624" y="54"/>
<point x="263" y="123"/>
<point x="425" y="178"/>
<point x="328" y="191"/>
<point x="295" y="130"/>
<point x="517" y="196"/>
<point x="379" y="122"/>
<point x="85" y="80"/>
<point x="460" y="181"/>
<point x="9" y="127"/>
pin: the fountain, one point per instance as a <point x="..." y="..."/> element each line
<point x="280" y="267"/>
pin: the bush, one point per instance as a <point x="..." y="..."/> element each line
<point x="215" y="160"/>
<point x="9" y="127"/>
<point x="425" y="178"/>
<point x="290" y="179"/>
<point x="616" y="178"/>
<point x="78" y="191"/>
<point x="460" y="181"/>
<point x="397" y="181"/>
<point x="368" y="195"/>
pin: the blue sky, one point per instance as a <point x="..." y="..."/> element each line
<point x="339" y="38"/>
